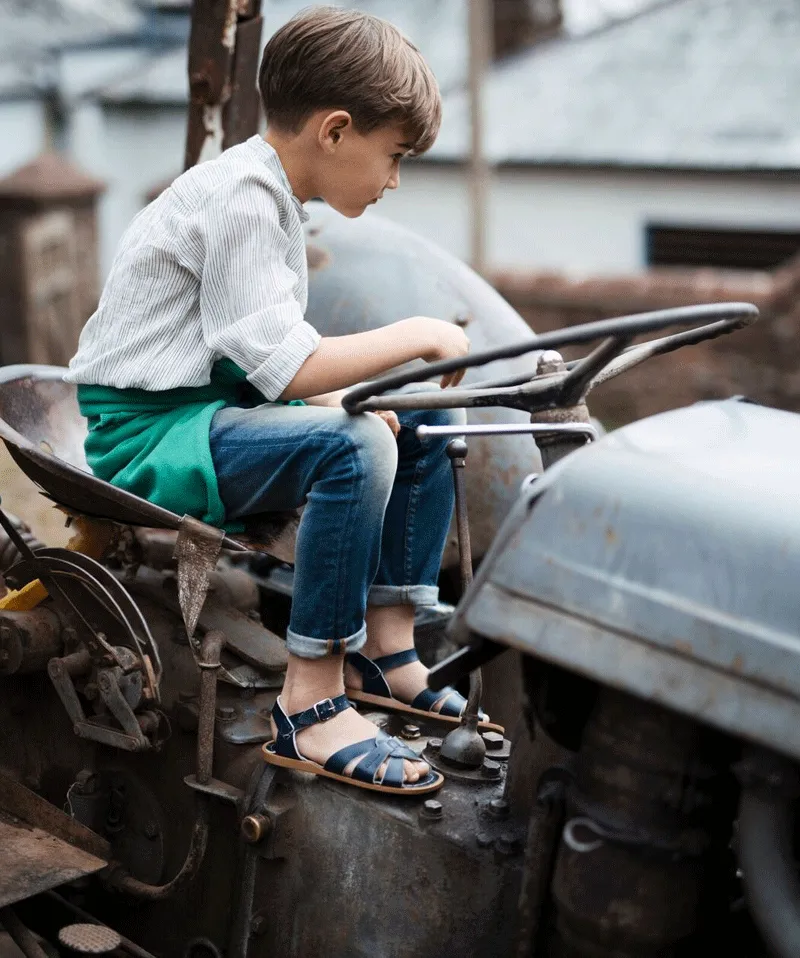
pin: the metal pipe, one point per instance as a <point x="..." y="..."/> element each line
<point x="769" y="871"/>
<point x="510" y="428"/>
<point x="464" y="746"/>
<point x="210" y="651"/>
<point x="544" y="828"/>
<point x="209" y="663"/>
<point x="21" y="935"/>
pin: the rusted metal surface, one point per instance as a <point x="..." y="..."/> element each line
<point x="196" y="553"/>
<point x="28" y="640"/>
<point x="544" y="826"/>
<point x="248" y="640"/>
<point x="241" y="113"/>
<point x="28" y="807"/>
<point x="211" y="649"/>
<point x="223" y="62"/>
<point x="254" y="827"/>
<point x="35" y="860"/>
<point x="209" y="663"/>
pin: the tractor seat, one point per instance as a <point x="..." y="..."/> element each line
<point x="44" y="431"/>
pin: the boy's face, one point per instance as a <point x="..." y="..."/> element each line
<point x="357" y="168"/>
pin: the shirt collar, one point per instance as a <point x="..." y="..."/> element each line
<point x="273" y="161"/>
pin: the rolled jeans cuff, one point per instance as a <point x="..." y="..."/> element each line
<point x="416" y="595"/>
<point x="307" y="648"/>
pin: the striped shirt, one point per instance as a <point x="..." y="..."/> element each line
<point x="214" y="268"/>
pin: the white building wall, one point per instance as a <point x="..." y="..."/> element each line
<point x="577" y="222"/>
<point x="133" y="149"/>
<point x="22" y="133"/>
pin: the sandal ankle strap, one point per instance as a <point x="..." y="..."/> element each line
<point x="321" y="711"/>
<point x="372" y="670"/>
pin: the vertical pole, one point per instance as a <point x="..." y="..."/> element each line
<point x="479" y="57"/>
<point x="223" y="62"/>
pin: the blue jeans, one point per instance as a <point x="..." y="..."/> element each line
<point x="377" y="509"/>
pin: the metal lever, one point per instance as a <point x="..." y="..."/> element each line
<point x="463" y="746"/>
<point x="551" y="430"/>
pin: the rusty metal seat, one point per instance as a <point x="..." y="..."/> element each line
<point x="43" y="429"/>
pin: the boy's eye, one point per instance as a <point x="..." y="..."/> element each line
<point x="397" y="157"/>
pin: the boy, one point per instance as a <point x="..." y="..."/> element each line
<point x="191" y="368"/>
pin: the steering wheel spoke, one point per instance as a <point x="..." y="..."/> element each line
<point x="579" y="378"/>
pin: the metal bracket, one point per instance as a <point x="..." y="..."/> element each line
<point x="131" y="739"/>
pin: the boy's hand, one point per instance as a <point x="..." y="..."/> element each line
<point x="447" y="341"/>
<point x="390" y="418"/>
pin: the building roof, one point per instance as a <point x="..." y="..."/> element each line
<point x="49" y="177"/>
<point x="687" y="84"/>
<point x="437" y="27"/>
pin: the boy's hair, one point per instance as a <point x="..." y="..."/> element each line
<point x="325" y="57"/>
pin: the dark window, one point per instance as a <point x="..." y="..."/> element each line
<point x="723" y="248"/>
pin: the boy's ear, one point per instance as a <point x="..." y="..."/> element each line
<point x="333" y="128"/>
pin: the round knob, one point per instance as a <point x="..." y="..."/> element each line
<point x="457" y="449"/>
<point x="254" y="828"/>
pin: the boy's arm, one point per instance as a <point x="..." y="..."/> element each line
<point x="342" y="361"/>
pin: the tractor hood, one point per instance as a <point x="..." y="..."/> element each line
<point x="664" y="560"/>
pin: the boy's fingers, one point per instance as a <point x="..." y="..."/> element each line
<point x="452" y="379"/>
<point x="391" y="420"/>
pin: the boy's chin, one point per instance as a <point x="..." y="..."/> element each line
<point x="351" y="212"/>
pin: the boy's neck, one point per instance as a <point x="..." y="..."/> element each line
<point x="293" y="155"/>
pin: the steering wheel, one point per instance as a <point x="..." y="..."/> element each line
<point x="569" y="386"/>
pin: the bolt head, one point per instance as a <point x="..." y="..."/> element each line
<point x="490" y="769"/>
<point x="508" y="844"/>
<point x="435" y="743"/>
<point x="410" y="732"/>
<point x="226" y="712"/>
<point x="432" y="808"/>
<point x="498" y="808"/>
<point x="494" y="740"/>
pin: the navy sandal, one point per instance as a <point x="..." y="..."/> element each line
<point x="447" y="704"/>
<point x="373" y="752"/>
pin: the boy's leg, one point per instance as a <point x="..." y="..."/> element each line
<point x="275" y="458"/>
<point x="416" y="524"/>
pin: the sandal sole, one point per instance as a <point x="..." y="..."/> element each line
<point x="395" y="705"/>
<point x="305" y="765"/>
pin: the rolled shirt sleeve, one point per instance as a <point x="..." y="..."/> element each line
<point x="249" y="307"/>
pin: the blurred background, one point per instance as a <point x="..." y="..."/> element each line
<point x="597" y="157"/>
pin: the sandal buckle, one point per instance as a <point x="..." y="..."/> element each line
<point x="325" y="710"/>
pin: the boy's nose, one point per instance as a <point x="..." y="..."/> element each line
<point x="394" y="181"/>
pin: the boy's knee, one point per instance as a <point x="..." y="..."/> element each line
<point x="373" y="446"/>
